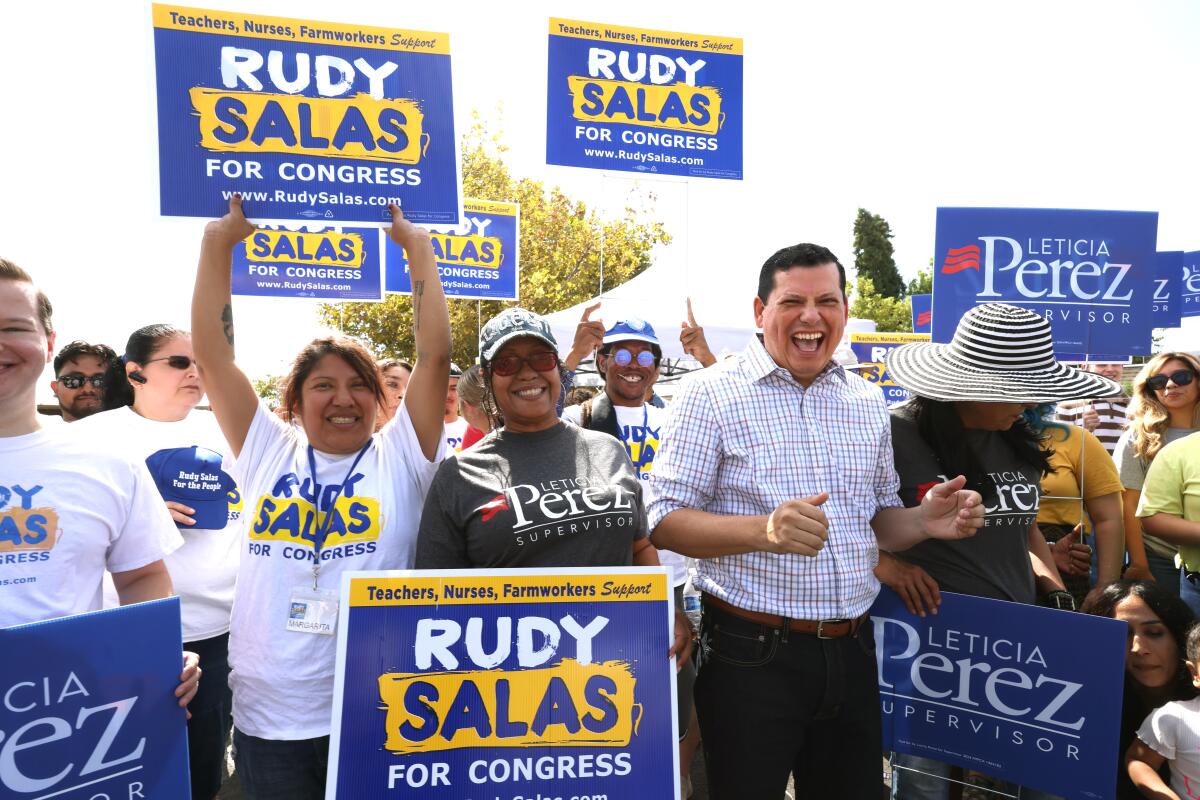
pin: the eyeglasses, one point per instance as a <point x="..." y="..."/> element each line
<point x="76" y="380"/>
<point x="623" y="358"/>
<point x="1180" y="377"/>
<point x="544" y="361"/>
<point x="178" y="362"/>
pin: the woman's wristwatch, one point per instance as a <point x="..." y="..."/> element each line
<point x="1061" y="599"/>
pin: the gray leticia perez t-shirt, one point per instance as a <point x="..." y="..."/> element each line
<point x="562" y="497"/>
<point x="995" y="561"/>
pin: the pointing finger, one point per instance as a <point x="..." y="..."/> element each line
<point x="691" y="317"/>
<point x="587" y="312"/>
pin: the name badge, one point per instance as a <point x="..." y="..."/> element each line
<point x="313" y="611"/>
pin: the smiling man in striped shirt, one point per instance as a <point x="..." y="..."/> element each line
<point x="776" y="472"/>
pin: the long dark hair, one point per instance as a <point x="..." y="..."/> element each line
<point x="348" y="350"/>
<point x="1175" y="614"/>
<point x="140" y="348"/>
<point x="942" y="429"/>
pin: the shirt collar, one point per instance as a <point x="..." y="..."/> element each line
<point x="758" y="364"/>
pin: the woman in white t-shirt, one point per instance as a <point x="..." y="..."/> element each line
<point x="321" y="498"/>
<point x="152" y="395"/>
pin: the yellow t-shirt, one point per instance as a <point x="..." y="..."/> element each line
<point x="1173" y="487"/>
<point x="1075" y="450"/>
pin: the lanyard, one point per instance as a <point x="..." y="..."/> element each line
<point x="642" y="454"/>
<point x="323" y="527"/>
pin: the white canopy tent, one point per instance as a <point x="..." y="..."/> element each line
<point x="659" y="296"/>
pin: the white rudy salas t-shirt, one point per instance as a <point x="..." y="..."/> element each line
<point x="69" y="510"/>
<point x="283" y="679"/>
<point x="641" y="429"/>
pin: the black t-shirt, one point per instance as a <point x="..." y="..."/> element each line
<point x="995" y="561"/>
<point x="562" y="497"/>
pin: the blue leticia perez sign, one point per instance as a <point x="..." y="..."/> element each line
<point x="646" y="101"/>
<point x="479" y="260"/>
<point x="922" y="312"/>
<point x="314" y="262"/>
<point x="461" y="685"/>
<point x="1168" y="282"/>
<point x="88" y="706"/>
<point x="1003" y="688"/>
<point x="308" y="120"/>
<point x="1189" y="300"/>
<point x="1090" y="273"/>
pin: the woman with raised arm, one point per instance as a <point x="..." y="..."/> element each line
<point x="321" y="498"/>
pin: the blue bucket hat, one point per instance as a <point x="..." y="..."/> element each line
<point x="632" y="329"/>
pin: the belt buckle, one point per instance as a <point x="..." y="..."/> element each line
<point x="821" y="623"/>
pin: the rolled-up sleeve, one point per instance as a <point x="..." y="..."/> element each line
<point x="887" y="480"/>
<point x="686" y="465"/>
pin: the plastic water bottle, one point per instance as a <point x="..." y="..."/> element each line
<point x="691" y="601"/>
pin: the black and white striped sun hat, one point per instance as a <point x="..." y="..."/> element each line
<point x="999" y="354"/>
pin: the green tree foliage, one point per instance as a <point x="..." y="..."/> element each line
<point x="873" y="254"/>
<point x="923" y="283"/>
<point x="269" y="388"/>
<point x="891" y="314"/>
<point x="560" y="257"/>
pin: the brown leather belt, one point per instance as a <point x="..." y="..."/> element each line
<point x="821" y="628"/>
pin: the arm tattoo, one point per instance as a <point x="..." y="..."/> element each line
<point x="227" y="323"/>
<point x="418" y="292"/>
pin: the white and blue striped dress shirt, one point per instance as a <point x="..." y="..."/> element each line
<point x="745" y="436"/>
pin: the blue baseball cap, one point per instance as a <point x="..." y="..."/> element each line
<point x="193" y="476"/>
<point x="632" y="329"/>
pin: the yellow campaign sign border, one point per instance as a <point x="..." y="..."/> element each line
<point x="521" y="587"/>
<point x="427" y="42"/>
<point x="888" y="338"/>
<point x="597" y="31"/>
<point x="490" y="207"/>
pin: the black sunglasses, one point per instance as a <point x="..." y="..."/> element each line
<point x="178" y="362"/>
<point x="1180" y="377"/>
<point x="544" y="361"/>
<point x="76" y="380"/>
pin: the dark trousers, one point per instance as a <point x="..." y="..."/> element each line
<point x="773" y="703"/>
<point x="272" y="769"/>
<point x="211" y="711"/>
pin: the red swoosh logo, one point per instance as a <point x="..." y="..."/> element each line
<point x="960" y="258"/>
<point x="493" y="507"/>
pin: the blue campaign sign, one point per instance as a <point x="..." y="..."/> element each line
<point x="922" y="312"/>
<point x="89" y="710"/>
<point x="462" y="684"/>
<point x="640" y="100"/>
<point x="478" y="260"/>
<point x="308" y="120"/>
<point x="1168" y="285"/>
<point x="1189" y="295"/>
<point x="1002" y="688"/>
<point x="871" y="350"/>
<point x="1094" y="358"/>
<point x="1090" y="273"/>
<point x="316" y="263"/>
